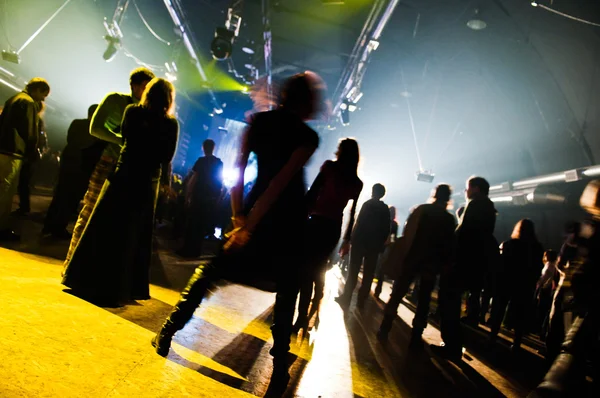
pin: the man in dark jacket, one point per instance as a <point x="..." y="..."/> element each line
<point x="77" y="163"/>
<point x="368" y="241"/>
<point x="429" y="239"/>
<point x="18" y="142"/>
<point x="476" y="248"/>
<point x="204" y="191"/>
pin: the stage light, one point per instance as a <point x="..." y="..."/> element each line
<point x="222" y="45"/>
<point x="245" y="89"/>
<point x="345" y="116"/>
<point x="248" y="50"/>
<point x="425" y="176"/>
<point x="112" y="49"/>
<point x="534" y="3"/>
<point x="333" y="2"/>
<point x="502" y="199"/>
<point x="352" y="107"/>
<point x="11" y="56"/>
<point x="476" y="23"/>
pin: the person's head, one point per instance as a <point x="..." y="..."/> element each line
<point x="524" y="229"/>
<point x="477" y="186"/>
<point x="378" y="191"/>
<point x="208" y="146"/>
<point x="304" y="95"/>
<point x="92" y="110"/>
<point x="138" y="80"/>
<point x="550" y="256"/>
<point x="159" y="96"/>
<point x="442" y="193"/>
<point x="38" y="89"/>
<point x="393" y="213"/>
<point x="348" y="155"/>
<point x="590" y="199"/>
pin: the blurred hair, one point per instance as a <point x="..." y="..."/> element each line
<point x="140" y="76"/>
<point x="37" y="83"/>
<point x="208" y="146"/>
<point x="551" y="255"/>
<point x="92" y="110"/>
<point x="304" y="91"/>
<point x="393" y="213"/>
<point x="443" y="192"/>
<point x="481" y="183"/>
<point x="378" y="191"/>
<point x="159" y="95"/>
<point x="524" y="229"/>
<point x="348" y="156"/>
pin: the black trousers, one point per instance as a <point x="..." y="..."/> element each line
<point x="450" y="303"/>
<point x="24" y="189"/>
<point x="239" y="268"/>
<point x="520" y="302"/>
<point x="360" y="255"/>
<point x="71" y="188"/>
<point x="322" y="236"/>
<point x="201" y="221"/>
<point x="427" y="276"/>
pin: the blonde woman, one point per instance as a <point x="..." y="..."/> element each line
<point x="111" y="261"/>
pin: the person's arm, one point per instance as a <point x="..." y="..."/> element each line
<point x="237" y="191"/>
<point x="313" y="192"/>
<point x="99" y="126"/>
<point x="345" y="249"/>
<point x="297" y="161"/>
<point x="27" y="126"/>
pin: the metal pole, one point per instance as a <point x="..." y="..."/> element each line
<point x="37" y="32"/>
<point x="268" y="39"/>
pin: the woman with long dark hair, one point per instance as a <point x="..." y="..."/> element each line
<point x="111" y="262"/>
<point x="269" y="228"/>
<point x="522" y="261"/>
<point x="336" y="184"/>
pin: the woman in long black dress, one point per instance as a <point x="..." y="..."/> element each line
<point x="269" y="228"/>
<point x="336" y="185"/>
<point x="111" y="262"/>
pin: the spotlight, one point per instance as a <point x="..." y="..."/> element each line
<point x="222" y="45"/>
<point x="11" y="56"/>
<point x="345" y="117"/>
<point x="113" y="47"/>
<point x="425" y="176"/>
<point x="475" y="23"/>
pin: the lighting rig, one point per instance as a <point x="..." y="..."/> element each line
<point x="113" y="31"/>
<point x="222" y="44"/>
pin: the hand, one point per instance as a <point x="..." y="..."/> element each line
<point x="345" y="249"/>
<point x="239" y="222"/>
<point x="238" y="238"/>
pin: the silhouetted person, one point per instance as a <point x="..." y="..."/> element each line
<point x="19" y="129"/>
<point x="268" y="234"/>
<point x="106" y="126"/>
<point x="476" y="247"/>
<point x="334" y="187"/>
<point x="521" y="265"/>
<point x="380" y="274"/>
<point x="203" y="195"/>
<point x="77" y="162"/>
<point x="429" y="239"/>
<point x="111" y="263"/>
<point x="28" y="167"/>
<point x="546" y="287"/>
<point x="368" y="241"/>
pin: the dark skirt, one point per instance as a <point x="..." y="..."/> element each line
<point x="112" y="259"/>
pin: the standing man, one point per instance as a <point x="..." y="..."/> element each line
<point x="18" y="142"/>
<point x="429" y="239"/>
<point x="203" y="195"/>
<point x="368" y="240"/>
<point x="106" y="126"/>
<point x="77" y="163"/>
<point x="476" y="248"/>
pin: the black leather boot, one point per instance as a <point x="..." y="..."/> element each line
<point x="162" y="341"/>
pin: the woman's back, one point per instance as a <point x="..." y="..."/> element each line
<point x="522" y="261"/>
<point x="336" y="190"/>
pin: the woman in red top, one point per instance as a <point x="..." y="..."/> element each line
<point x="336" y="184"/>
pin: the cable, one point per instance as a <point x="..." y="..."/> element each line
<point x="412" y="122"/>
<point x="140" y="62"/>
<point x="562" y="14"/>
<point x="148" y="25"/>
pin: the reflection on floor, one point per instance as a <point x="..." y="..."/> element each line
<point x="58" y="345"/>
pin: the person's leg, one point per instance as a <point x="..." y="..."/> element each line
<point x="450" y="308"/>
<point x="197" y="288"/>
<point x="368" y="275"/>
<point x="319" y="293"/>
<point x="356" y="259"/>
<point x="9" y="179"/>
<point x="474" y="289"/>
<point x="426" y="287"/>
<point x="399" y="290"/>
<point x="306" y="292"/>
<point x="24" y="188"/>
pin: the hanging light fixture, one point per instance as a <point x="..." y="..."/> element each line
<point x="476" y="23"/>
